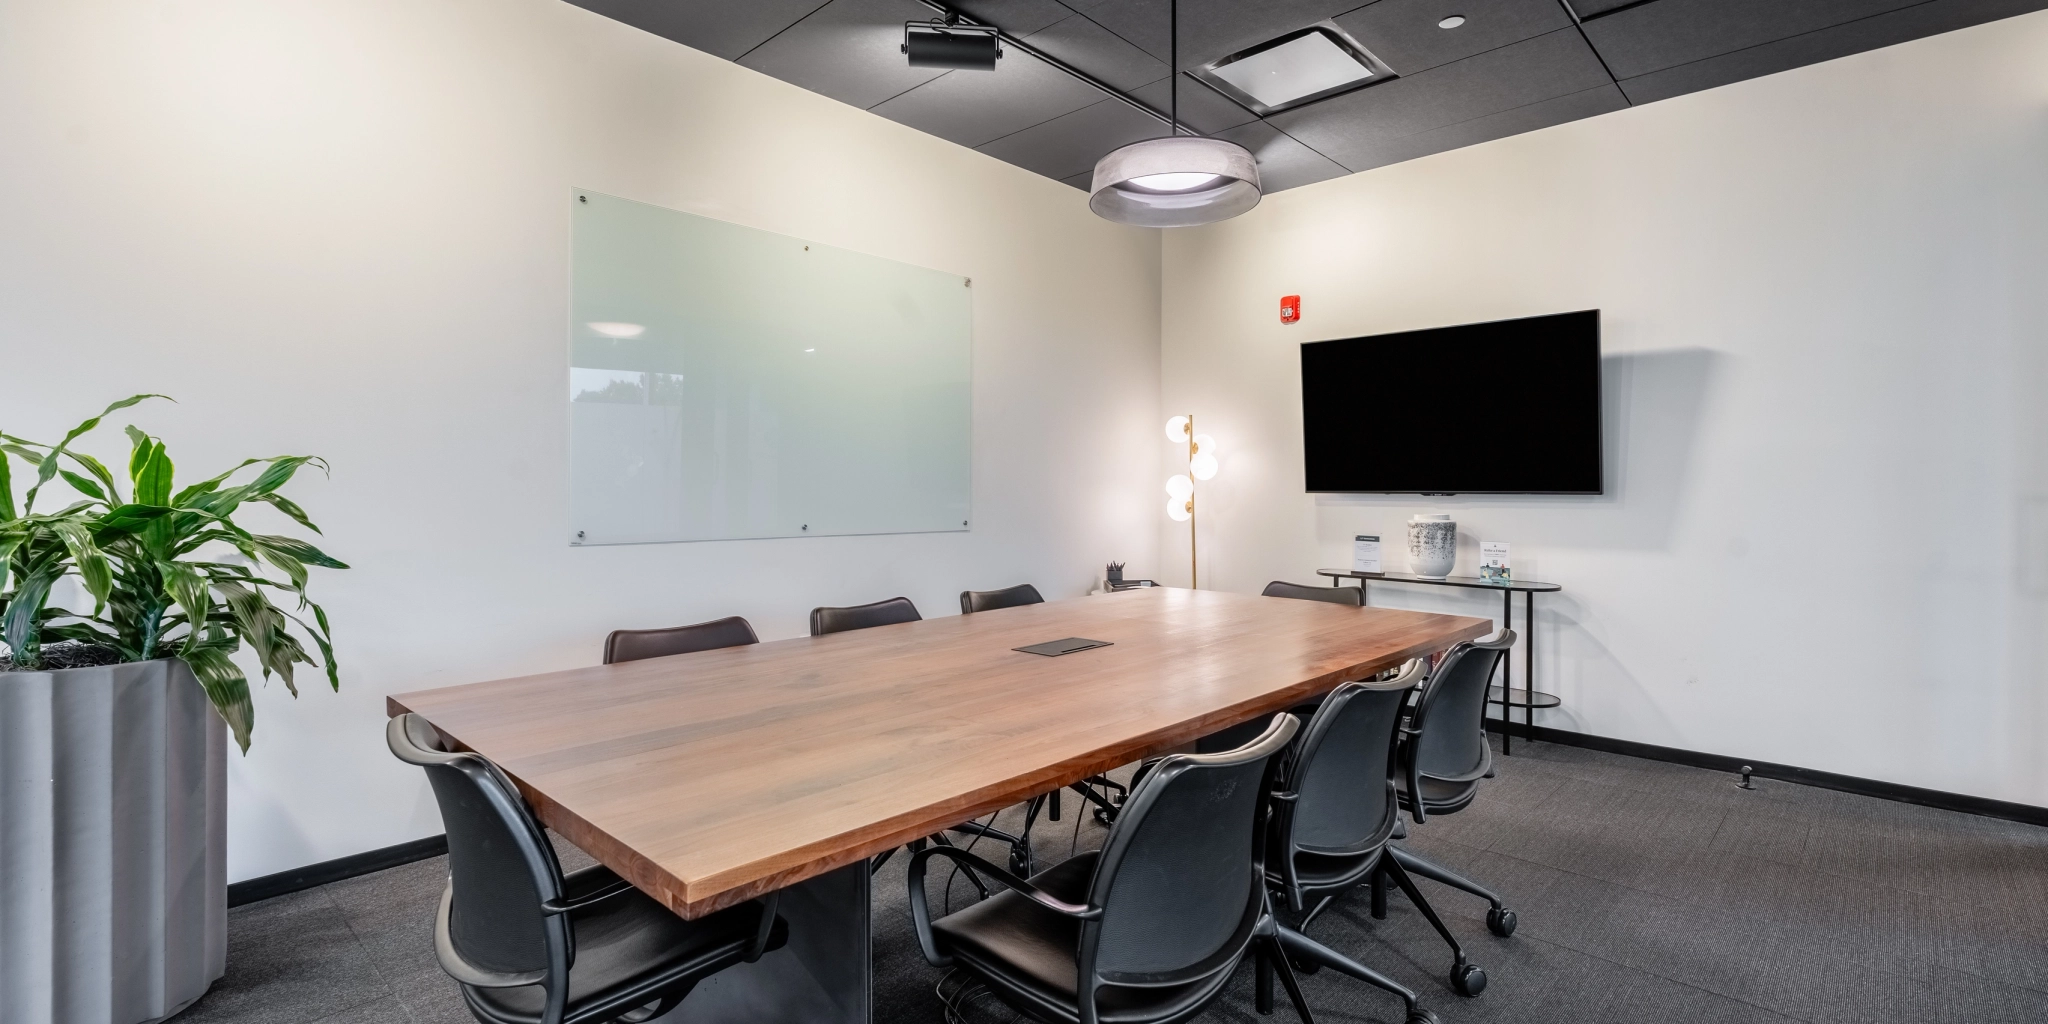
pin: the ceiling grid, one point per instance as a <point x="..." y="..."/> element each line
<point x="1511" y="66"/>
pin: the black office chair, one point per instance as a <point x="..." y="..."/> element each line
<point x="972" y="601"/>
<point x="1444" y="756"/>
<point x="1113" y="792"/>
<point x="863" y="616"/>
<point x="635" y="644"/>
<point x="1334" y="815"/>
<point x="529" y="945"/>
<point x="1149" y="929"/>
<point x="1350" y="597"/>
<point x="1238" y="734"/>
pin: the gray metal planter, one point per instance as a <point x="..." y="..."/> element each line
<point x="113" y="852"/>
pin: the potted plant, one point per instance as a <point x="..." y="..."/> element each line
<point x="118" y="717"/>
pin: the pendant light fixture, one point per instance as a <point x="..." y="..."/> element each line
<point x="1178" y="181"/>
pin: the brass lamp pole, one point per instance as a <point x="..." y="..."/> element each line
<point x="1180" y="489"/>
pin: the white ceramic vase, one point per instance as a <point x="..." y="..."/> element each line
<point x="113" y="852"/>
<point x="1432" y="545"/>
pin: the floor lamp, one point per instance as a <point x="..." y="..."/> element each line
<point x="1180" y="488"/>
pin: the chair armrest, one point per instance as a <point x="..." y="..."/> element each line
<point x="920" y="911"/>
<point x="552" y="907"/>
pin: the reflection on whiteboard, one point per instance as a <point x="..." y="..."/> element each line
<point x="726" y="382"/>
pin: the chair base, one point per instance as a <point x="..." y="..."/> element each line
<point x="1499" y="919"/>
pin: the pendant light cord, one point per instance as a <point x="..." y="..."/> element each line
<point x="1173" y="51"/>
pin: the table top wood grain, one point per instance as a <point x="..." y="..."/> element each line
<point x="707" y="779"/>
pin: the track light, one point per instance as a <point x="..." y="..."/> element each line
<point x="938" y="44"/>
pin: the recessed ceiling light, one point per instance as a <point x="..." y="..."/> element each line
<point x="614" y="329"/>
<point x="1294" y="69"/>
<point x="1453" y="21"/>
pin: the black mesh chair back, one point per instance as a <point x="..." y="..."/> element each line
<point x="1180" y="878"/>
<point x="862" y="616"/>
<point x="635" y="644"/>
<point x="1351" y="597"/>
<point x="509" y="924"/>
<point x="501" y="867"/>
<point x="972" y="601"/>
<point x="1450" y="716"/>
<point x="1147" y="931"/>
<point x="1343" y="772"/>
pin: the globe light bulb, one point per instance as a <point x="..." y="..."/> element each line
<point x="1177" y="429"/>
<point x="1179" y="487"/>
<point x="1205" y="443"/>
<point x="1203" y="465"/>
<point x="1177" y="510"/>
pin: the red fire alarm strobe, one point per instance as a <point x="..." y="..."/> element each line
<point x="1290" y="308"/>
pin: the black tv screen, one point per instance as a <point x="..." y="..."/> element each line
<point x="1510" y="407"/>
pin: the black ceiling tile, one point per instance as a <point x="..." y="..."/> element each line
<point x="1283" y="162"/>
<point x="849" y="50"/>
<point x="1067" y="145"/>
<point x="1098" y="51"/>
<point x="1668" y="33"/>
<point x="1083" y="181"/>
<point x="1404" y="33"/>
<point x="973" y="107"/>
<point x="1591" y="8"/>
<point x="1017" y="17"/>
<point x="1557" y="110"/>
<point x="1870" y="33"/>
<point x="726" y="30"/>
<point x="1201" y="108"/>
<point x="1212" y="28"/>
<point x="1354" y="128"/>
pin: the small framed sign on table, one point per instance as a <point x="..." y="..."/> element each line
<point x="1365" y="554"/>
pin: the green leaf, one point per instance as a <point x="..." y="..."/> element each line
<point x="124" y="519"/>
<point x="153" y="484"/>
<point x="185" y="497"/>
<point x="7" y="495"/>
<point x="253" y="620"/>
<point x="87" y="556"/>
<point x="322" y="637"/>
<point x="275" y="475"/>
<point x="286" y="506"/>
<point x="188" y="588"/>
<point x="99" y="472"/>
<point x="84" y="486"/>
<point x="297" y="549"/>
<point x="48" y="467"/>
<point x="225" y="686"/>
<point x="20" y="625"/>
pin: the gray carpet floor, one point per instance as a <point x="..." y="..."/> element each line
<point x="1647" y="892"/>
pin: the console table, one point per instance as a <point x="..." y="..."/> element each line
<point x="1531" y="698"/>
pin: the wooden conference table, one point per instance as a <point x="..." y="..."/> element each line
<point x="708" y="779"/>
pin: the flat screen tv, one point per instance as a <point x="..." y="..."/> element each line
<point x="1510" y="407"/>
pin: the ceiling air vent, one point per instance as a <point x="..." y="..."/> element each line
<point x="1296" y="68"/>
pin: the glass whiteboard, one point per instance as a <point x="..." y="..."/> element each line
<point x="726" y="382"/>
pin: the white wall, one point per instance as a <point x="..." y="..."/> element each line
<point x="341" y="227"/>
<point x="1823" y="297"/>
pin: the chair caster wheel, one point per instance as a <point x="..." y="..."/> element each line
<point x="1304" y="968"/>
<point x="1500" y="921"/>
<point x="1422" y="1016"/>
<point x="1468" y="980"/>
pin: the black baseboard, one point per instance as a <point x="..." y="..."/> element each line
<point x="1984" y="806"/>
<point x="335" y="870"/>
